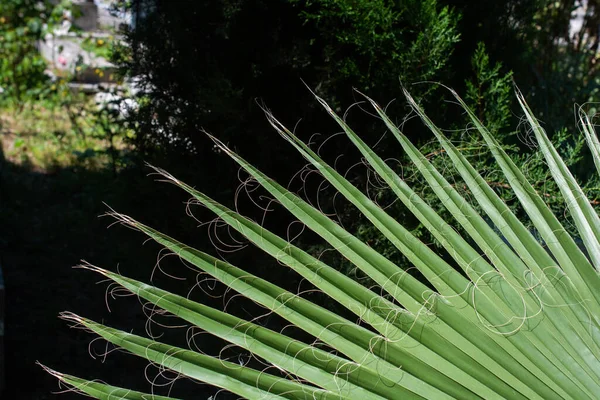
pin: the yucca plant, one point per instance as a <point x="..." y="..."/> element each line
<point x="510" y="318"/>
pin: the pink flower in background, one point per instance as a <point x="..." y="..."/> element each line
<point x="62" y="60"/>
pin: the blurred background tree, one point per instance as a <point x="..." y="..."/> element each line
<point x="564" y="60"/>
<point x="208" y="66"/>
<point x="22" y="24"/>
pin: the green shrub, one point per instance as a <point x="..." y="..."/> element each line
<point x="264" y="50"/>
<point x="22" y="24"/>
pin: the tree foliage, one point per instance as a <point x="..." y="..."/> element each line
<point x="564" y="58"/>
<point x="373" y="45"/>
<point x="22" y="24"/>
<point x="206" y="65"/>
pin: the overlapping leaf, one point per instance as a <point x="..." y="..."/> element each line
<point x="505" y="319"/>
